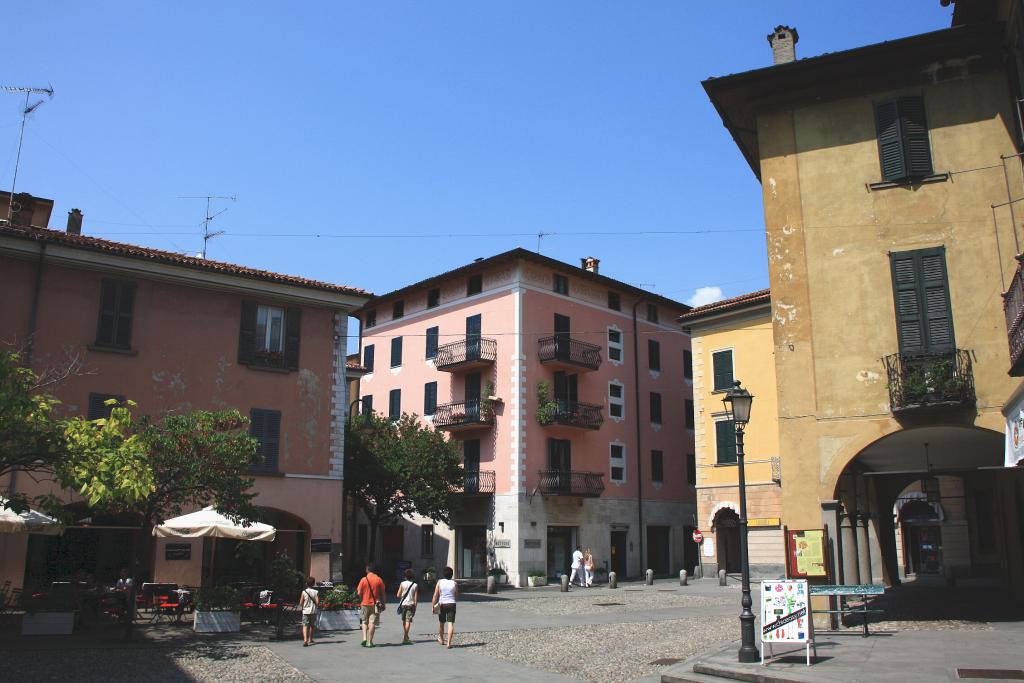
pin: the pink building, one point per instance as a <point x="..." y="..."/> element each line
<point x="472" y="349"/>
<point x="173" y="332"/>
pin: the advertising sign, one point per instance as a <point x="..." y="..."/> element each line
<point x="786" y="614"/>
<point x="1015" y="435"/>
<point x="805" y="553"/>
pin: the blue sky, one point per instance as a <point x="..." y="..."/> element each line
<point x="425" y="133"/>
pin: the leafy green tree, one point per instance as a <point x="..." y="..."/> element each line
<point x="395" y="468"/>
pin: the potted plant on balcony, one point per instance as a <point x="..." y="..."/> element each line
<point x="547" y="409"/>
<point x="536" y="578"/>
<point x="218" y="610"/>
<point x="339" y="609"/>
<point x="489" y="402"/>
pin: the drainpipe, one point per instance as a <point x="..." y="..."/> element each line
<point x="639" y="454"/>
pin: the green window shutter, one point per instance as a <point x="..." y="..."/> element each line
<point x="725" y="435"/>
<point x="432" y="337"/>
<point x="890" y="140"/>
<point x="909" y="321"/>
<point x="292" y="334"/>
<point x="395" y="404"/>
<point x="914" y="127"/>
<point x="722" y="367"/>
<point x="429" y="398"/>
<point x="653" y="354"/>
<point x="265" y="427"/>
<point x="368" y="357"/>
<point x="936" y="301"/>
<point x="924" y="317"/>
<point x="396" y="352"/>
<point x="247" y="333"/>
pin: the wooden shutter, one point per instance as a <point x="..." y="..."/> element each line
<point x="292" y="334"/>
<point x="935" y="285"/>
<point x="396" y="352"/>
<point x="432" y="334"/>
<point x="367" y="405"/>
<point x="265" y="427"/>
<point x="429" y="398"/>
<point x="921" y="294"/>
<point x="395" y="404"/>
<point x="657" y="466"/>
<point x="471" y="454"/>
<point x="725" y="436"/>
<point x="890" y="140"/>
<point x="97" y="407"/>
<point x="653" y="354"/>
<point x="368" y="357"/>
<point x="125" y="308"/>
<point x="247" y="333"/>
<point x="108" y="313"/>
<point x="914" y="127"/>
<point x="722" y="362"/>
<point x="655" y="407"/>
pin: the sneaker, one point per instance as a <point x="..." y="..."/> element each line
<point x="362" y="643"/>
<point x="371" y="645"/>
<point x="406" y="642"/>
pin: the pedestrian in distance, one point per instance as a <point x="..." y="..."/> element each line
<point x="588" y="567"/>
<point x="446" y="594"/>
<point x="577" y="567"/>
<point x="372" y="594"/>
<point x="308" y="603"/>
<point x="408" y="593"/>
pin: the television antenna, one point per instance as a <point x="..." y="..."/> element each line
<point x="28" y="109"/>
<point x="208" y="217"/>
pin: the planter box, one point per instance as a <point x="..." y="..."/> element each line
<point x="217" y="622"/>
<point x="535" y="581"/>
<point x="338" y="620"/>
<point x="47" y="623"/>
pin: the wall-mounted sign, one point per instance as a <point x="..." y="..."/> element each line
<point x="765" y="521"/>
<point x="531" y="542"/>
<point x="320" y="545"/>
<point x="178" y="551"/>
<point x="805" y="553"/>
<point x="502" y="543"/>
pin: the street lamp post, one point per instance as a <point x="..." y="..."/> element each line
<point x="738" y="402"/>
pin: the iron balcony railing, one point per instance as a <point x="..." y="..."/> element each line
<point x="576" y="414"/>
<point x="470" y="351"/>
<point x="569" y="483"/>
<point x="565" y="349"/>
<point x="930" y="380"/>
<point x="463" y="414"/>
<point x="1013" y="309"/>
<point x="478" y="482"/>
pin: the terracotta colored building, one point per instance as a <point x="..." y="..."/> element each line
<point x="173" y="332"/>
<point x="473" y="349"/>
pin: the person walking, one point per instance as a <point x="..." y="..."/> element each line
<point x="408" y="593"/>
<point x="308" y="602"/>
<point x="371" y="593"/>
<point x="445" y="595"/>
<point x="588" y="567"/>
<point x="577" y="567"/>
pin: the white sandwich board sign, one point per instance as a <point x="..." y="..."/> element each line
<point x="786" y="615"/>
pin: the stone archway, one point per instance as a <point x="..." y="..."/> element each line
<point x="726" y="527"/>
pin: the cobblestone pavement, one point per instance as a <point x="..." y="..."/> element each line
<point x="582" y="602"/>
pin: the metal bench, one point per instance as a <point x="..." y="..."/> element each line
<point x="863" y="591"/>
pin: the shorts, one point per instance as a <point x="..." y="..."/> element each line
<point x="407" y="614"/>
<point x="309" y="619"/>
<point x="446" y="613"/>
<point x="368" y="615"/>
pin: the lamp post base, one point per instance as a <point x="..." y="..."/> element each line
<point x="749" y="655"/>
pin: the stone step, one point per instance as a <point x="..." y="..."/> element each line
<point x="703" y="672"/>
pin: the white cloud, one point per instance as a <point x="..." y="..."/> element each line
<point x="705" y="295"/>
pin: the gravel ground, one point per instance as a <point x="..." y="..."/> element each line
<point x="605" y="653"/>
<point x="199" y="663"/>
<point x="605" y="603"/>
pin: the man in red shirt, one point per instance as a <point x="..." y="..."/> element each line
<point x="371" y="603"/>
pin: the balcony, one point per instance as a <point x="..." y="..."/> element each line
<point x="563" y="351"/>
<point x="1013" y="308"/>
<point x="926" y="381"/>
<point x="571" y="414"/>
<point x="464" y="415"/>
<point x="568" y="483"/>
<point x="477" y="482"/>
<point x="466" y="354"/>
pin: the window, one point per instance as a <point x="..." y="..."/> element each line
<point x="561" y="284"/>
<point x="395" y="404"/>
<point x="114" y="329"/>
<point x="432" y="334"/>
<point x="429" y="398"/>
<point x="367" y="406"/>
<point x="923" y="317"/>
<point x="655" y="407"/>
<point x="616" y="400"/>
<point x="903" y="148"/>
<point x="691" y="421"/>
<point x="687" y="364"/>
<point x="725" y="440"/>
<point x="396" y="352"/>
<point x="98" y="407"/>
<point x="368" y="357"/>
<point x="614" y="301"/>
<point x="471" y="455"/>
<point x="617" y="457"/>
<point x="614" y="345"/>
<point x="369" y="319"/>
<point x="652" y="313"/>
<point x="475" y="284"/>
<point x="268" y="336"/>
<point x="427" y="540"/>
<point x="653" y="355"/>
<point x="434" y="297"/>
<point x="657" y="467"/>
<point x="691" y="469"/>
<point x="397" y="310"/>
<point x="265" y="427"/>
<point x="721" y="362"/>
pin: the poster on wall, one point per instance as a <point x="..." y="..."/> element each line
<point x="786" y="615"/>
<point x="805" y="553"/>
<point x="1015" y="435"/>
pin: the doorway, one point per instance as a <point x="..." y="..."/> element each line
<point x="727" y="540"/>
<point x="924" y="549"/>
<point x="658" y="551"/>
<point x="618" y="549"/>
<point x="561" y="543"/>
<point x="472" y="555"/>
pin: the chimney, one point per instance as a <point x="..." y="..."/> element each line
<point x="783" y="41"/>
<point x="75" y="222"/>
<point x="589" y="263"/>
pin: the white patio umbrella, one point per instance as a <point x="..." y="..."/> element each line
<point x="30" y="521"/>
<point x="209" y="522"/>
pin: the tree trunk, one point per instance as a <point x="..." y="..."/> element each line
<point x="372" y="545"/>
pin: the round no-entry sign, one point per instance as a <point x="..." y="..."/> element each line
<point x="698" y="537"/>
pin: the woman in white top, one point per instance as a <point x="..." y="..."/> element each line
<point x="445" y="595"/>
<point x="308" y="602"/>
<point x="408" y="594"/>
